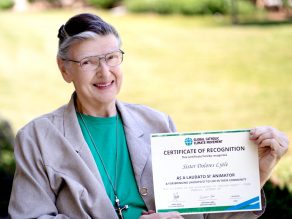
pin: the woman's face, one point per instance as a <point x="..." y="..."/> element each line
<point x="96" y="88"/>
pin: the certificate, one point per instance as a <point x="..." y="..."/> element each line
<point x="205" y="172"/>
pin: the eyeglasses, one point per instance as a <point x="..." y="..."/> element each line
<point x="91" y="63"/>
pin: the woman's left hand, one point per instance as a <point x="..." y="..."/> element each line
<point x="272" y="144"/>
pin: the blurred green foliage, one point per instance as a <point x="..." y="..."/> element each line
<point x="7" y="165"/>
<point x="287" y="3"/>
<point x="186" y="7"/>
<point x="279" y="202"/>
<point x="6" y="4"/>
<point x="189" y="7"/>
<point x="51" y="3"/>
<point x="104" y="3"/>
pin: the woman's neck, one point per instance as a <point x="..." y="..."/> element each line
<point x="98" y="110"/>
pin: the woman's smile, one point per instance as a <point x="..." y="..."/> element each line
<point x="104" y="85"/>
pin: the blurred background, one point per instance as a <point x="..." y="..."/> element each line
<point x="209" y="64"/>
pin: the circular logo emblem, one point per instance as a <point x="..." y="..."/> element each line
<point x="188" y="141"/>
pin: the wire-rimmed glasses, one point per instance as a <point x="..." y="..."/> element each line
<point x="91" y="63"/>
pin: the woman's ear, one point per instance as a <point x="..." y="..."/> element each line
<point x="64" y="70"/>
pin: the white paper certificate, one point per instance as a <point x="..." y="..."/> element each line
<point x="205" y="172"/>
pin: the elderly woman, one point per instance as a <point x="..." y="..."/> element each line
<point x="91" y="158"/>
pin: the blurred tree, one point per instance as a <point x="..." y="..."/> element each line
<point x="106" y="4"/>
<point x="234" y="12"/>
<point x="7" y="165"/>
<point x="6" y="4"/>
<point x="279" y="202"/>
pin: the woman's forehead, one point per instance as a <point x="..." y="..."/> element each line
<point x="98" y="45"/>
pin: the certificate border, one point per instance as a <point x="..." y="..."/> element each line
<point x="248" y="205"/>
<point x="198" y="133"/>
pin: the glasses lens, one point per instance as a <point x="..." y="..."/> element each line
<point x="114" y="58"/>
<point x="89" y="63"/>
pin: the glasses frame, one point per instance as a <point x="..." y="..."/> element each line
<point x="99" y="58"/>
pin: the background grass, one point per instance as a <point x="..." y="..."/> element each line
<point x="205" y="74"/>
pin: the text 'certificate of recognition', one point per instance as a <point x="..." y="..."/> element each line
<point x="205" y="172"/>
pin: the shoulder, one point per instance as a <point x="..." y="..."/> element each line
<point x="145" y="115"/>
<point x="139" y="110"/>
<point x="142" y="109"/>
<point x="42" y="123"/>
<point x="38" y="135"/>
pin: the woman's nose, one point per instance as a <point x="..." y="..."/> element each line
<point x="103" y="68"/>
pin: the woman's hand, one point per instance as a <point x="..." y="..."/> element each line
<point x="152" y="215"/>
<point x="272" y="144"/>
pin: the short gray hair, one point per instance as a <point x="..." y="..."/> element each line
<point x="82" y="27"/>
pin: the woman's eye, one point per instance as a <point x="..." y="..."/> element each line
<point x="85" y="62"/>
<point x="111" y="56"/>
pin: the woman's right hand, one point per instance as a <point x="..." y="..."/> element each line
<point x="168" y="215"/>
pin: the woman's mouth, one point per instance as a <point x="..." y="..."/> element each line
<point x="103" y="85"/>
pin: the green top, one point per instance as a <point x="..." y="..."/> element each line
<point x="103" y="132"/>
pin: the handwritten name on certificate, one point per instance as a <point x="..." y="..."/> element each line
<point x="205" y="172"/>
